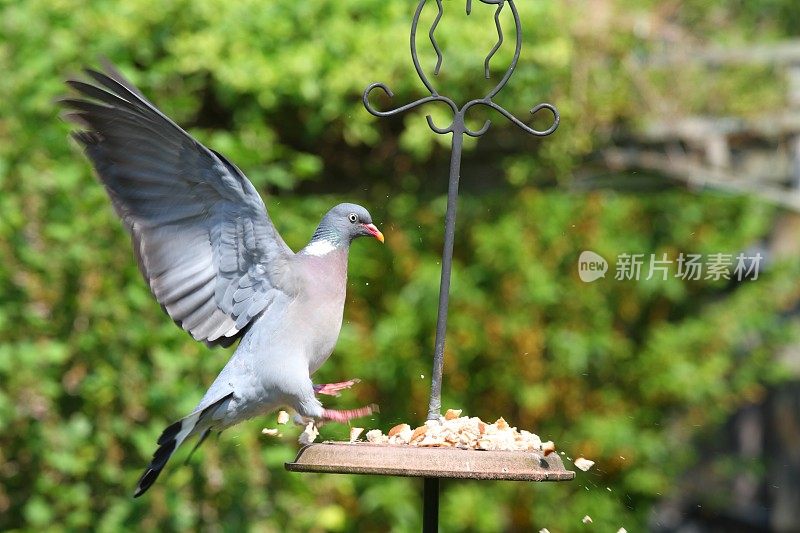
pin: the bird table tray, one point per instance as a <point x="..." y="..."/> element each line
<point x="412" y="461"/>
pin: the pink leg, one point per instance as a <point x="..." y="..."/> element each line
<point x="332" y="389"/>
<point x="349" y="414"/>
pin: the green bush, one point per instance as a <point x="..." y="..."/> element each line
<point x="625" y="373"/>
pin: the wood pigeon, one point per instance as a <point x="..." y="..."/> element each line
<point x="217" y="265"/>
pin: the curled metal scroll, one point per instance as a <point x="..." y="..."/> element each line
<point x="457" y="125"/>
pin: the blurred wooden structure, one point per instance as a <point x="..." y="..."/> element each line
<point x="759" y="156"/>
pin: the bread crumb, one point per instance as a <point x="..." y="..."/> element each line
<point x="377" y="437"/>
<point x="587" y="519"/>
<point x="452" y="414"/>
<point x="584" y="464"/>
<point x="548" y="447"/>
<point x="418" y="433"/>
<point x="309" y="434"/>
<point x="397" y="429"/>
<point x="355" y="433"/>
<point x="283" y="417"/>
<point x="272" y="432"/>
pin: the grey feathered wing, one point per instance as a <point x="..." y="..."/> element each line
<point x="201" y="233"/>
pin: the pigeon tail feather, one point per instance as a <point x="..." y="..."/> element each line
<point x="199" y="442"/>
<point x="172" y="437"/>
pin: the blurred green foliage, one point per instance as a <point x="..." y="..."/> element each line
<point x="626" y="373"/>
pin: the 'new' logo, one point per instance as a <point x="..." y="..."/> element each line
<point x="591" y="266"/>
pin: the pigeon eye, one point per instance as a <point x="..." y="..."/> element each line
<point x="353" y="217"/>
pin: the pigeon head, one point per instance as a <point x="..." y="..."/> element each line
<point x="344" y="223"/>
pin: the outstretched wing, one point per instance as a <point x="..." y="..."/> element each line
<point x="201" y="233"/>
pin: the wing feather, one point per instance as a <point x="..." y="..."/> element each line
<point x="201" y="234"/>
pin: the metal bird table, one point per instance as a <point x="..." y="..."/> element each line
<point x="432" y="464"/>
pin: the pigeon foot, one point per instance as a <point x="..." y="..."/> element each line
<point x="332" y="389"/>
<point x="346" y="415"/>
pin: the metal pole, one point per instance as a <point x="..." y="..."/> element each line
<point x="435" y="405"/>
<point x="430" y="511"/>
<point x="430" y="505"/>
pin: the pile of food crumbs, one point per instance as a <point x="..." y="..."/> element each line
<point x="451" y="430"/>
<point x="464" y="432"/>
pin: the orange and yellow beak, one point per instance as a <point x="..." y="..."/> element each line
<point x="375" y="232"/>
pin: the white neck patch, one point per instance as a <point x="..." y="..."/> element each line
<point x="319" y="248"/>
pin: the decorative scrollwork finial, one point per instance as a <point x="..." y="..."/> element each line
<point x="458" y="112"/>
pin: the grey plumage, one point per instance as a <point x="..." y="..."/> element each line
<point x="215" y="262"/>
